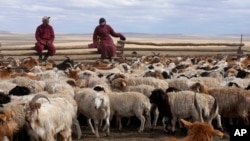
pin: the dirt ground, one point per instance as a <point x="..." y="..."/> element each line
<point x="130" y="133"/>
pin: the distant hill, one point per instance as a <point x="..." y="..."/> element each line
<point x="4" y="32"/>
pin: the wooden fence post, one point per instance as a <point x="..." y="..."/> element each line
<point x="121" y="45"/>
<point x="1" y="56"/>
<point x="239" y="51"/>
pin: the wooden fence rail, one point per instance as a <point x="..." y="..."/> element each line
<point x="182" y="49"/>
<point x="77" y="52"/>
<point x="83" y="53"/>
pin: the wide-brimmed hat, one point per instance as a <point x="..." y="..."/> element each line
<point x="46" y="18"/>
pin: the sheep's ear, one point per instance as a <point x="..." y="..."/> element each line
<point x="37" y="105"/>
<point x="124" y="83"/>
<point x="187" y="124"/>
<point x="72" y="83"/>
<point x="3" y="117"/>
<point x="21" y="104"/>
<point x="9" y="113"/>
<point x="217" y="133"/>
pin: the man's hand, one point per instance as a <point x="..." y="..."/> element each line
<point x="44" y="42"/>
<point x="123" y="38"/>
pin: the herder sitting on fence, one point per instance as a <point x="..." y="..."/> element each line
<point x="102" y="40"/>
<point x="45" y="38"/>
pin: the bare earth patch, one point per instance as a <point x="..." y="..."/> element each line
<point x="130" y="133"/>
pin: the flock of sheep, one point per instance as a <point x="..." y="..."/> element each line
<point x="42" y="102"/>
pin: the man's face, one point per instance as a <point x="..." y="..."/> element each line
<point x="45" y="22"/>
<point x="102" y="23"/>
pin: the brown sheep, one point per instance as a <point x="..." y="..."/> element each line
<point x="233" y="102"/>
<point x="29" y="63"/>
<point x="6" y="73"/>
<point x="199" y="131"/>
<point x="7" y="124"/>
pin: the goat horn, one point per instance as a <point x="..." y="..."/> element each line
<point x="69" y="65"/>
<point x="67" y="57"/>
<point x="25" y="58"/>
<point x="35" y="98"/>
<point x="11" y="58"/>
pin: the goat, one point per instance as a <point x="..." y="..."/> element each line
<point x="7" y="125"/>
<point x="199" y="131"/>
<point x="45" y="120"/>
<point x="65" y="64"/>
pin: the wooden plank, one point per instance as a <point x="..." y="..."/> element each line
<point x="57" y="47"/>
<point x="180" y="49"/>
<point x="58" y="52"/>
<point x="183" y="55"/>
<point x="31" y="52"/>
<point x="181" y="44"/>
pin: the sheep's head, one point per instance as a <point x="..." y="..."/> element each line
<point x="3" y="117"/>
<point x="99" y="88"/>
<point x="201" y="131"/>
<point x="4" y="98"/>
<point x="157" y="96"/>
<point x="198" y="87"/>
<point x="6" y="115"/>
<point x="31" y="108"/>
<point x="119" y="83"/>
<point x="87" y="74"/>
<point x="74" y="73"/>
<point x="172" y="89"/>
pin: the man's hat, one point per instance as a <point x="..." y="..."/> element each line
<point x="101" y="20"/>
<point x="46" y="18"/>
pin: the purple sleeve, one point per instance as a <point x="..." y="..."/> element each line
<point x="113" y="33"/>
<point x="52" y="35"/>
<point x="38" y="38"/>
<point x="95" y="35"/>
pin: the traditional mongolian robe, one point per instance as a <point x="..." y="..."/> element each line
<point x="103" y="41"/>
<point x="45" y="37"/>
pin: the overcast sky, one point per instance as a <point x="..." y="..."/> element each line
<point x="139" y="16"/>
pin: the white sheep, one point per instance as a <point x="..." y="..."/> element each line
<point x="184" y="104"/>
<point x="119" y="86"/>
<point x="210" y="82"/>
<point x="94" y="105"/>
<point x="6" y="86"/>
<point x="93" y="79"/>
<point x="156" y="83"/>
<point x="128" y="104"/>
<point x="180" y="83"/>
<point x="34" y="85"/>
<point x="242" y="83"/>
<point x="55" y="86"/>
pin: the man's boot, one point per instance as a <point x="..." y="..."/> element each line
<point x="46" y="57"/>
<point x="110" y="59"/>
<point x="40" y="56"/>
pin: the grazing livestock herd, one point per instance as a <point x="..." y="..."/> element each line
<point x="43" y="102"/>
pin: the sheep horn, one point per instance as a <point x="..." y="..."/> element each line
<point x="11" y="58"/>
<point x="25" y="58"/>
<point x="69" y="65"/>
<point x="67" y="57"/>
<point x="35" y="98"/>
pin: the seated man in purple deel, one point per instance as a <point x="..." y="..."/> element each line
<point x="45" y="37"/>
<point x="103" y="41"/>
